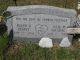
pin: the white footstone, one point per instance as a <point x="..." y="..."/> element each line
<point x="45" y="43"/>
<point x="65" y="42"/>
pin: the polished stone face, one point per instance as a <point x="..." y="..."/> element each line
<point x="40" y="25"/>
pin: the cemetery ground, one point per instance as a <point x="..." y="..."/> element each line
<point x="30" y="51"/>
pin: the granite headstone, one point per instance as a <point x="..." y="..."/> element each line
<point x="37" y="21"/>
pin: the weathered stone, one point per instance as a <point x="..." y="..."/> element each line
<point x="37" y="21"/>
<point x="46" y="43"/>
<point x="42" y="9"/>
<point x="37" y="26"/>
<point x="65" y="42"/>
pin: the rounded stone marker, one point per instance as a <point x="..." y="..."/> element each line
<point x="65" y="42"/>
<point x="45" y="43"/>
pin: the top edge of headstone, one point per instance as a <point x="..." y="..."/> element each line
<point x="14" y="8"/>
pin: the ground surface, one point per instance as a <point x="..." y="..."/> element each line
<point x="23" y="51"/>
<point x="30" y="51"/>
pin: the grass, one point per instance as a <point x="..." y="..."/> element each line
<point x="30" y="51"/>
<point x="3" y="41"/>
<point x="21" y="51"/>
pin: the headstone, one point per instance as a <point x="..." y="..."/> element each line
<point x="42" y="9"/>
<point x="45" y="43"/>
<point x="65" y="42"/>
<point x="40" y="25"/>
<point x="37" y="21"/>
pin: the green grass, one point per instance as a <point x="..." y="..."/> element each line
<point x="34" y="52"/>
<point x="3" y="41"/>
<point x="30" y="51"/>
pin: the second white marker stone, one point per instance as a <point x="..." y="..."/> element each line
<point x="45" y="43"/>
<point x="65" y="42"/>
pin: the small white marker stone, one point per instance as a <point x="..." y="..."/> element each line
<point x="65" y="42"/>
<point x="45" y="43"/>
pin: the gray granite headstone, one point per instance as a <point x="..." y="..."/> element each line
<point x="37" y="21"/>
<point x="40" y="25"/>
